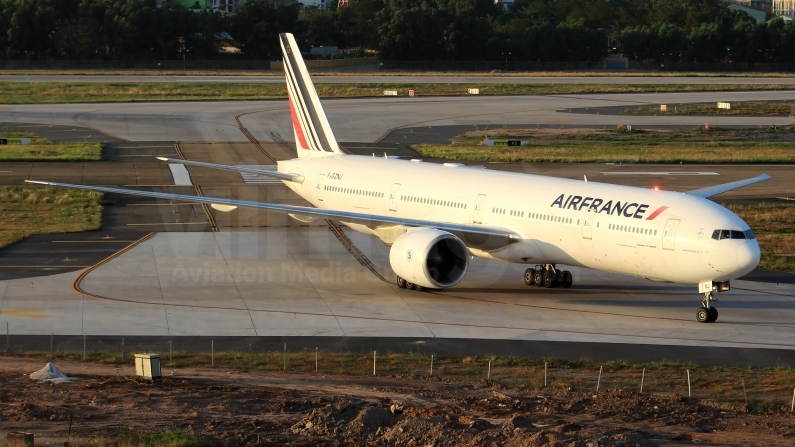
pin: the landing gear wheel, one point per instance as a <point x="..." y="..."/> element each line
<point x="702" y="315"/>
<point x="410" y="285"/>
<point x="713" y="315"/>
<point x="418" y="288"/>
<point x="549" y="279"/>
<point x="528" y="276"/>
<point x="567" y="279"/>
<point x="401" y="283"/>
<point x="538" y="278"/>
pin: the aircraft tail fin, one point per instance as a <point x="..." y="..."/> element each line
<point x="313" y="134"/>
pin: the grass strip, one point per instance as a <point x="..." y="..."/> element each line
<point x="772" y="224"/>
<point x="618" y="152"/>
<point x="738" y="108"/>
<point x="82" y="92"/>
<point x="766" y="388"/>
<point x="28" y="210"/>
<point x="42" y="149"/>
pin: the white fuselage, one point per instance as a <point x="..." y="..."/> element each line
<point x="659" y="235"/>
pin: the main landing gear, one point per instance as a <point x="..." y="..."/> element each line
<point x="547" y="276"/>
<point x="403" y="284"/>
<point x="706" y="313"/>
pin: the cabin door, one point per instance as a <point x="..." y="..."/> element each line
<point x="477" y="215"/>
<point x="393" y="197"/>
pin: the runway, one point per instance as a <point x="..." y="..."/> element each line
<point x="326" y="78"/>
<point x="370" y="119"/>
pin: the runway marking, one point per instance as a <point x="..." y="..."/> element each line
<point x="42" y="266"/>
<point x="110" y="240"/>
<point x="142" y="147"/>
<point x="164" y="204"/>
<point x="168" y="223"/>
<point x="30" y="312"/>
<point x="657" y="173"/>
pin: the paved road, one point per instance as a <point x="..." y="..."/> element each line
<point x="387" y="78"/>
<point x="367" y="120"/>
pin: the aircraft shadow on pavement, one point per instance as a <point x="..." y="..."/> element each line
<point x="726" y="303"/>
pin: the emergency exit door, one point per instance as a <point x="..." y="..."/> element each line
<point x="393" y="197"/>
<point x="669" y="234"/>
<point x="477" y="214"/>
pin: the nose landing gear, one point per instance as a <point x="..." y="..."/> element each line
<point x="706" y="313"/>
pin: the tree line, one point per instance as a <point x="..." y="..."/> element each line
<point x="463" y="30"/>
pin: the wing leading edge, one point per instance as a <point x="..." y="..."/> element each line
<point x="726" y="187"/>
<point x="475" y="236"/>
<point x="280" y="175"/>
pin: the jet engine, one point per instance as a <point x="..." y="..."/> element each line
<point x="429" y="258"/>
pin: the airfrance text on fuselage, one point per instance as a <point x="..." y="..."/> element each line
<point x="634" y="210"/>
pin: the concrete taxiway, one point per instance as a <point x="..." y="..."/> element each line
<point x="302" y="282"/>
<point x="325" y="78"/>
<point x="369" y="119"/>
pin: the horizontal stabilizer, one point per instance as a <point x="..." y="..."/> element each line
<point x="720" y="189"/>
<point x="280" y="175"/>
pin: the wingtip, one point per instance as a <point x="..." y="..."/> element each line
<point x="36" y="182"/>
<point x="161" y="158"/>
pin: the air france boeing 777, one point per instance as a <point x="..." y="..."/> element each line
<point x="436" y="217"/>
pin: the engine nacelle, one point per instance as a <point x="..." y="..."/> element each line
<point x="429" y="258"/>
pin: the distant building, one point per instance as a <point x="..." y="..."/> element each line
<point x="784" y="8"/>
<point x="762" y="5"/>
<point x="319" y="4"/>
<point x="504" y="3"/>
<point x="759" y="16"/>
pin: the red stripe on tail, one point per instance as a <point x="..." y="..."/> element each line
<point x="657" y="212"/>
<point x="297" y="126"/>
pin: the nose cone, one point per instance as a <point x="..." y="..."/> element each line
<point x="748" y="255"/>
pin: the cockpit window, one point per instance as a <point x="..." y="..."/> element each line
<point x="732" y="234"/>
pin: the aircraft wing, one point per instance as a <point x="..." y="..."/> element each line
<point x="720" y="189"/>
<point x="280" y="175"/>
<point x="475" y="236"/>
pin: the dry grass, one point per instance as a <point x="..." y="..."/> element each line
<point x="606" y="145"/>
<point x="42" y="149"/>
<point x="28" y="210"/>
<point x="604" y="152"/>
<point x="737" y="108"/>
<point x="319" y="72"/>
<point x="60" y="92"/>
<point x="774" y="226"/>
<point x="765" y="386"/>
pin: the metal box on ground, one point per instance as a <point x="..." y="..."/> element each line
<point x="148" y="366"/>
<point x="19" y="439"/>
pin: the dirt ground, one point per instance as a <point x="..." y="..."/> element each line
<point x="256" y="408"/>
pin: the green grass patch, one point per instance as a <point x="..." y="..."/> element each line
<point x="125" y="437"/>
<point x="737" y="108"/>
<point x="773" y="226"/>
<point x="28" y="210"/>
<point x="61" y="92"/>
<point x="618" y="146"/>
<point x="42" y="149"/>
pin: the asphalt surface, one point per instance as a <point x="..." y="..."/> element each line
<point x="50" y="254"/>
<point x="367" y="120"/>
<point x="459" y="347"/>
<point x="414" y="79"/>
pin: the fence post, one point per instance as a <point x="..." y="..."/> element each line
<point x="52" y="337"/>
<point x="545" y="374"/>
<point x="8" y="338"/>
<point x="212" y="353"/>
<point x="488" y="375"/>
<point x="642" y="376"/>
<point x="84" y="347"/>
<point x="122" y="349"/>
<point x="688" y="384"/>
<point x="284" y="356"/>
<point x="745" y="397"/>
<point x="792" y="408"/>
<point x="431" y="364"/>
<point x="599" y="380"/>
<point x="170" y="357"/>
<point x="315" y="358"/>
<point x="373" y="362"/>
